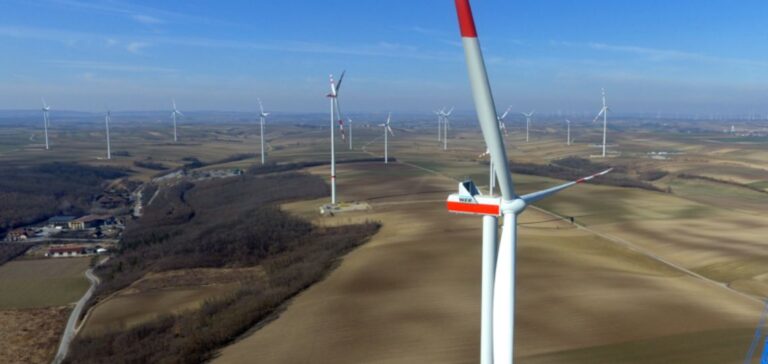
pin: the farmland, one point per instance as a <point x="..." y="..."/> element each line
<point x="671" y="273"/>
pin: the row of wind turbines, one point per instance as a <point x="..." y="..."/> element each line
<point x="175" y="114"/>
<point x="443" y="122"/>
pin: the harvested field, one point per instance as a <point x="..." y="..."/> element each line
<point x="412" y="294"/>
<point x="31" y="335"/>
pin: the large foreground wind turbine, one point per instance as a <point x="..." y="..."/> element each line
<point x="107" y="119"/>
<point x="527" y="123"/>
<point x="497" y="325"/>
<point x="387" y="130"/>
<point x="46" y="118"/>
<point x="262" y="119"/>
<point x="604" y="113"/>
<point x="175" y="113"/>
<point x="334" y="97"/>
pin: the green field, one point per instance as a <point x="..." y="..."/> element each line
<point x="42" y="282"/>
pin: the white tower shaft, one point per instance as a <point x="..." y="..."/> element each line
<point x="109" y="146"/>
<point x="261" y="133"/>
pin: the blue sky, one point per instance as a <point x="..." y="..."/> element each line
<point x="669" y="56"/>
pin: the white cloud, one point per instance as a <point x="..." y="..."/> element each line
<point x="146" y="19"/>
<point x="136" y="47"/>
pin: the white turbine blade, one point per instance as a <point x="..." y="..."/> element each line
<point x="390" y="130"/>
<point x="536" y="196"/>
<point x="174" y="103"/>
<point x="261" y="107"/>
<point x="506" y="113"/>
<point x="598" y="115"/>
<point x="449" y="111"/>
<point x="483" y="98"/>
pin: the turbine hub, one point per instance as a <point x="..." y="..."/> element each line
<point x="515" y="206"/>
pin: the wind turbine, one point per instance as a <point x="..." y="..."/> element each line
<point x="46" y="118"/>
<point x="527" y="123"/>
<point x="439" y="114"/>
<point x="107" y="119"/>
<point x="262" y="119"/>
<point x="503" y="126"/>
<point x="174" y="113"/>
<point x="604" y="113"/>
<point x="498" y="287"/>
<point x="387" y="130"/>
<point x="334" y="97"/>
<point x="568" y="140"/>
<point x="445" y="127"/>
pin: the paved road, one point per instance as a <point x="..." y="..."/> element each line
<point x="71" y="330"/>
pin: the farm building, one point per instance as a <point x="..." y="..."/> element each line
<point x="87" y="221"/>
<point x="61" y="221"/>
<point x="17" y="235"/>
<point x="67" y="251"/>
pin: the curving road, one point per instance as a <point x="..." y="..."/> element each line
<point x="71" y="329"/>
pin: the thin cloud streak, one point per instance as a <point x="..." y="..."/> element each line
<point x="660" y="55"/>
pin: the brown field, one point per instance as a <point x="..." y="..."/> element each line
<point x="31" y="335"/>
<point x="166" y="293"/>
<point x="411" y="295"/>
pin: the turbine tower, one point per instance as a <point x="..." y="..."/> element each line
<point x="387" y="130"/>
<point x="262" y="119"/>
<point x="568" y="136"/>
<point x="527" y="124"/>
<point x="334" y="97"/>
<point x="350" y="132"/>
<point x="497" y="330"/>
<point x="175" y="113"/>
<point x="46" y="118"/>
<point x="604" y="113"/>
<point x="107" y="119"/>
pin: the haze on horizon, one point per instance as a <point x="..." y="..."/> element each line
<point x="651" y="56"/>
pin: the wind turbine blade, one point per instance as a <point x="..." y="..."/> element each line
<point x="341" y="78"/>
<point x="174" y="103"/>
<point x="261" y="107"/>
<point x="449" y="111"/>
<point x="598" y="115"/>
<point x="506" y="113"/>
<point x="483" y="97"/>
<point x="536" y="196"/>
<point x="390" y="130"/>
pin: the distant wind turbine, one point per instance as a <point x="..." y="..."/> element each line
<point x="175" y="113"/>
<point x="604" y="113"/>
<point x="387" y="130"/>
<point x="568" y="140"/>
<point x="46" y="118"/>
<point x="502" y="126"/>
<point x="107" y="119"/>
<point x="439" y="114"/>
<point x="334" y="97"/>
<point x="445" y="127"/>
<point x="262" y="119"/>
<point x="528" y="123"/>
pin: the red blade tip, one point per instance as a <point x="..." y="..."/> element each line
<point x="466" y="21"/>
